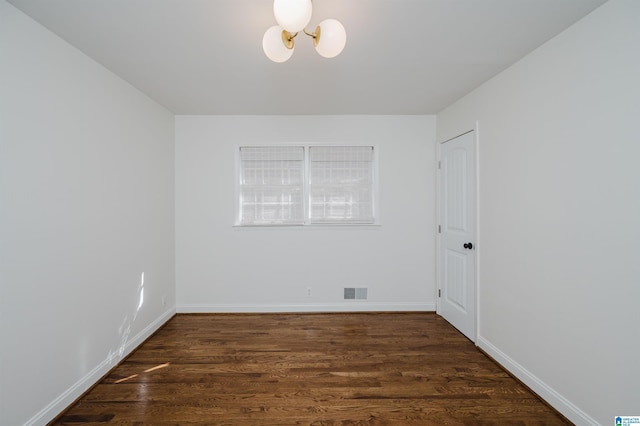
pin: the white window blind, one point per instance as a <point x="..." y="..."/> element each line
<point x="341" y="184"/>
<point x="271" y="185"/>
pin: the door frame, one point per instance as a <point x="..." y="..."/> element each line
<point x="478" y="246"/>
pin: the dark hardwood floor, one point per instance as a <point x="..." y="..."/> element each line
<point x="319" y="369"/>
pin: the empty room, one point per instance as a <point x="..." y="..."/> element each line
<point x="319" y="212"/>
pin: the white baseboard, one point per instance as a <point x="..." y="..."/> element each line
<point x="546" y="392"/>
<point x="295" y="308"/>
<point x="59" y="404"/>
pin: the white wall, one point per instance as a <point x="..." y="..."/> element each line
<point x="86" y="207"/>
<point x="560" y="214"/>
<point x="219" y="268"/>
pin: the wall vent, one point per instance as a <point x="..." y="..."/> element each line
<point x="354" y="293"/>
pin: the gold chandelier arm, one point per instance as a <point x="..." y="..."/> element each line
<point x="287" y="38"/>
<point x="315" y="36"/>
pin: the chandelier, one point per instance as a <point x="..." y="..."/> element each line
<point x="293" y="16"/>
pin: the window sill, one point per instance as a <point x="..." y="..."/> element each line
<point x="315" y="227"/>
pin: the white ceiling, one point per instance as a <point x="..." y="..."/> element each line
<point x="401" y="57"/>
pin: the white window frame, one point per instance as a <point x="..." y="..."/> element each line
<point x="307" y="223"/>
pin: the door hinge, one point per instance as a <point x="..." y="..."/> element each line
<point x="439" y="165"/>
<point x="438" y="292"/>
<point x="439" y="229"/>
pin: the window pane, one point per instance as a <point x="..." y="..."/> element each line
<point x="341" y="204"/>
<point x="341" y="184"/>
<point x="271" y="205"/>
<point x="271" y="185"/>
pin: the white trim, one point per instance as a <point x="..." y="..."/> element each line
<point x="301" y="308"/>
<point x="438" y="226"/>
<point x="546" y="392"/>
<point x="477" y="236"/>
<point x="67" y="398"/>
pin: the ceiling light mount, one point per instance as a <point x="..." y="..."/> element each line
<point x="329" y="37"/>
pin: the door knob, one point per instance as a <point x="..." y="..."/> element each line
<point x="467" y="246"/>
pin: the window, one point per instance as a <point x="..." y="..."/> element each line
<point x="271" y="185"/>
<point x="341" y="184"/>
<point x="296" y="185"/>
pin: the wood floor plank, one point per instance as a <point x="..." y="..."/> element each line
<point x="311" y="369"/>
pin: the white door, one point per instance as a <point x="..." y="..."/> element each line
<point x="457" y="287"/>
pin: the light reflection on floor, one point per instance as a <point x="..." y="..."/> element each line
<point x="148" y="370"/>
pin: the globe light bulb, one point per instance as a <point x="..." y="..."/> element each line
<point x="274" y="47"/>
<point x="292" y="15"/>
<point x="331" y="39"/>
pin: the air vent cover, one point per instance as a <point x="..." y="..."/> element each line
<point x="355" y="293"/>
